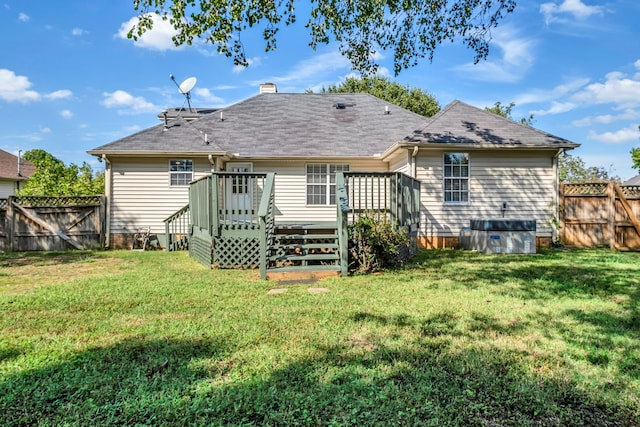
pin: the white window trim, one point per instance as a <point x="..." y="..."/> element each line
<point x="327" y="184"/>
<point x="171" y="173"/>
<point x="468" y="178"/>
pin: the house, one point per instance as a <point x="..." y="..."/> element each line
<point x="632" y="181"/>
<point x="469" y="163"/>
<point x="13" y="172"/>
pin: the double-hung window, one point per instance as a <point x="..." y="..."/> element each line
<point x="180" y="172"/>
<point x="456" y="178"/>
<point x="321" y="183"/>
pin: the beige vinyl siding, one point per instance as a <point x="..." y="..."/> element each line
<point x="142" y="195"/>
<point x="523" y="179"/>
<point x="291" y="187"/>
<point x="7" y="188"/>
<point x="399" y="162"/>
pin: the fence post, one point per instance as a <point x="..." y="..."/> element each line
<point x="559" y="211"/>
<point x="10" y="222"/>
<point x="611" y="212"/>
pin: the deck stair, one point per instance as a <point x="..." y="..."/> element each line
<point x="303" y="250"/>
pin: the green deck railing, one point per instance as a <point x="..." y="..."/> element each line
<point x="266" y="217"/>
<point x="230" y="212"/>
<point x="177" y="228"/>
<point x="390" y="193"/>
<point x="393" y="194"/>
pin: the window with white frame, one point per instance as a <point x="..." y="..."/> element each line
<point x="456" y="178"/>
<point x="180" y="172"/>
<point x="321" y="182"/>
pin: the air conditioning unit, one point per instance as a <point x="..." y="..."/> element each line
<point x="503" y="236"/>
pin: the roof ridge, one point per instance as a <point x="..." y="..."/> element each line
<point x="513" y="121"/>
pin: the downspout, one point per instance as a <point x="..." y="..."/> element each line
<point x="414" y="172"/>
<point x="108" y="189"/>
<point x="212" y="162"/>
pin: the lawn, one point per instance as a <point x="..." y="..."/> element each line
<point x="456" y="338"/>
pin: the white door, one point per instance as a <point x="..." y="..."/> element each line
<point x="239" y="194"/>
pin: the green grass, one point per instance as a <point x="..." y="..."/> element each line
<point x="154" y="338"/>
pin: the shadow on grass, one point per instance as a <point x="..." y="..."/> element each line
<point x="39" y="258"/>
<point x="194" y="382"/>
<point x="607" y="339"/>
<point x="134" y="381"/>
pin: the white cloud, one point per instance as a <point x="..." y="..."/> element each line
<point x="158" y="38"/>
<point x="128" y="103"/>
<point x="616" y="89"/>
<point x="554" y="12"/>
<point x="516" y="57"/>
<point x="207" y="96"/>
<point x="16" y="88"/>
<point x="225" y="87"/>
<point x="66" y="114"/>
<point x="310" y="69"/>
<point x="627" y="134"/>
<point x="553" y="94"/>
<point x="23" y="17"/>
<point x="626" y="115"/>
<point x="59" y="94"/>
<point x="78" y="32"/>
<point x="45" y="130"/>
<point x="132" y="129"/>
<point x="556" y="108"/>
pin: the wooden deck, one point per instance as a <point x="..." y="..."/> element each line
<point x="243" y="232"/>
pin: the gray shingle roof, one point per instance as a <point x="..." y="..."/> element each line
<point x="460" y="123"/>
<point x="633" y="181"/>
<point x="325" y="125"/>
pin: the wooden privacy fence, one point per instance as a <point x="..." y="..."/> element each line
<point x="37" y="223"/>
<point x="600" y="214"/>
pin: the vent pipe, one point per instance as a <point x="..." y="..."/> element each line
<point x="166" y="121"/>
<point x="19" y="157"/>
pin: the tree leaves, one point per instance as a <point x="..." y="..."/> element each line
<point x="412" y="99"/>
<point x="635" y="157"/>
<point x="53" y="178"/>
<point x="411" y="29"/>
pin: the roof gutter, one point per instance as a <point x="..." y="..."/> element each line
<point x="459" y="146"/>
<point x="108" y="191"/>
<point x="129" y="153"/>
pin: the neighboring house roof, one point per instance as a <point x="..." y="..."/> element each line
<point x="633" y="181"/>
<point x="276" y="125"/>
<point x="9" y="167"/>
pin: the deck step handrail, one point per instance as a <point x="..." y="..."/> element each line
<point x="266" y="219"/>
<point x="176" y="228"/>
<point x="342" y="199"/>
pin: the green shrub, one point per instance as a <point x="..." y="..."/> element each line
<point x="375" y="243"/>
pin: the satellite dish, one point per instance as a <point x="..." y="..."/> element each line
<point x="185" y="88"/>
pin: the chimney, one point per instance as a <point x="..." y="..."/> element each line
<point x="268" y="88"/>
<point x="19" y="157"/>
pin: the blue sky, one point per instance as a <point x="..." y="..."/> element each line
<point x="70" y="80"/>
